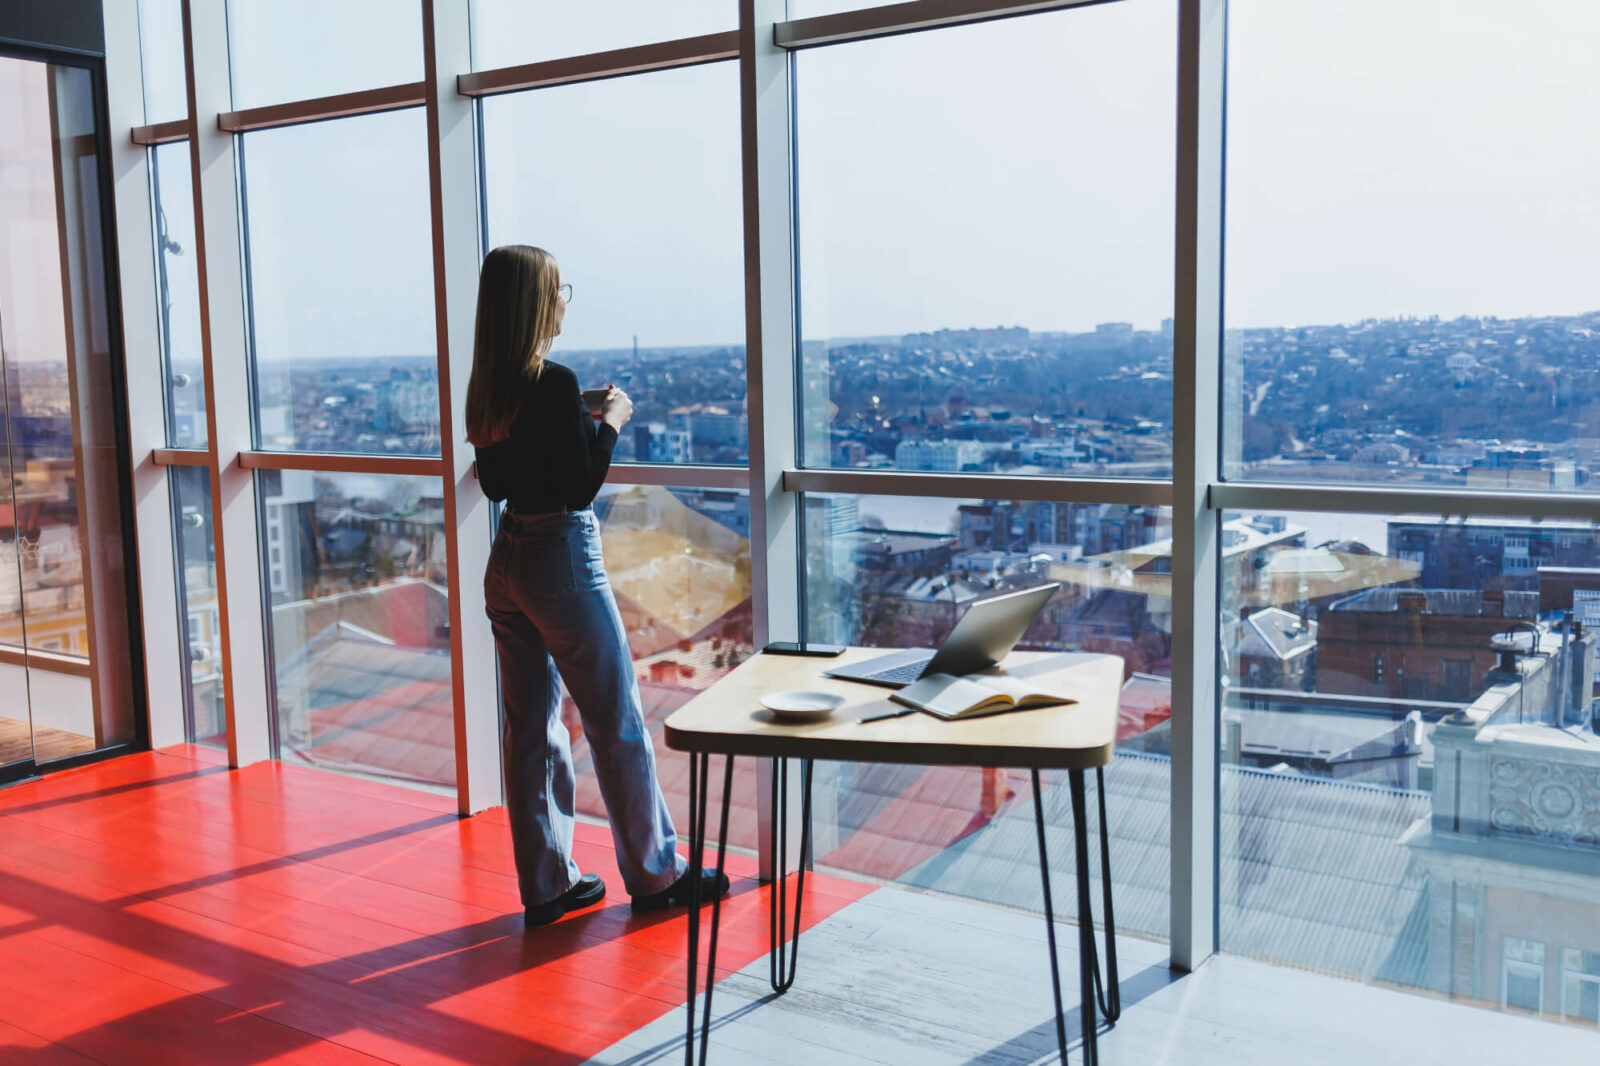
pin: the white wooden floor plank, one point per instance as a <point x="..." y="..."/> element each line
<point x="906" y="977"/>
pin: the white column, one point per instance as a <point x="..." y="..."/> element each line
<point x="166" y="657"/>
<point x="218" y="257"/>
<point x="1196" y="389"/>
<point x="770" y="351"/>
<point x="770" y="327"/>
<point x="453" y="173"/>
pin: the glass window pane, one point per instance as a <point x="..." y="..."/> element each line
<point x="178" y="293"/>
<point x="1403" y="721"/>
<point x="1518" y="949"/>
<point x="1400" y="307"/>
<point x="1583" y="1000"/>
<point x="1524" y="987"/>
<point x="360" y="623"/>
<point x="897" y="572"/>
<point x="202" y="633"/>
<point x="166" y="94"/>
<point x="1580" y="986"/>
<point x="986" y="260"/>
<point x="63" y="542"/>
<point x="508" y="32"/>
<point x="645" y="221"/>
<point x="341" y="285"/>
<point x="679" y="563"/>
<point x="284" y="50"/>
<point x="1582" y="962"/>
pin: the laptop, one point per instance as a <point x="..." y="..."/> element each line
<point x="984" y="635"/>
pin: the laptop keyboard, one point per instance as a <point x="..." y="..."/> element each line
<point x="901" y="674"/>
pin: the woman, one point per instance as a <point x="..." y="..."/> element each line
<point x="551" y="604"/>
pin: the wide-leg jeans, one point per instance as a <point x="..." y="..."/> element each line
<point x="555" y="618"/>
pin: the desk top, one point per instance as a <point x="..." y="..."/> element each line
<point x="728" y="718"/>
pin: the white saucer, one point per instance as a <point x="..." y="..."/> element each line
<point x="801" y="705"/>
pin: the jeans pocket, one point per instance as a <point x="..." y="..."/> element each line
<point x="544" y="566"/>
<point x="588" y="560"/>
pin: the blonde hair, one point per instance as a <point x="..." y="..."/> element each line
<point x="518" y="287"/>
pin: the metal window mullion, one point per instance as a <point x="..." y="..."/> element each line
<point x="1134" y="492"/>
<point x="679" y="476"/>
<point x="453" y="200"/>
<point x="161" y="132"/>
<point x="1421" y="499"/>
<point x="241" y="600"/>
<point x="166" y="658"/>
<point x="1196" y="383"/>
<point x="889" y="20"/>
<point x="621" y="62"/>
<point x="177" y="456"/>
<point x="770" y="326"/>
<point x="765" y="107"/>
<point x="322" y="108"/>
<point x="343" y="463"/>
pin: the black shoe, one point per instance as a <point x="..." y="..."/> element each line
<point x="713" y="884"/>
<point x="586" y="893"/>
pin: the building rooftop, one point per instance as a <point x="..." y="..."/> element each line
<point x="1313" y="872"/>
<point x="1273" y="633"/>
<point x="1452" y="602"/>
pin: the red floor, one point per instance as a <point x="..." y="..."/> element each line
<point x="162" y="909"/>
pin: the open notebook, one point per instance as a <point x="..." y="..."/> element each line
<point x="948" y="696"/>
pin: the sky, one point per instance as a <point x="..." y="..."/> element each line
<point x="32" y="300"/>
<point x="1382" y="161"/>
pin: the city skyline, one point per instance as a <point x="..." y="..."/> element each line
<point x="1476" y="210"/>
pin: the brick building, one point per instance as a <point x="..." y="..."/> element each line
<point x="1415" y="643"/>
<point x="1491" y="552"/>
<point x="1571" y="588"/>
<point x="1277" y="649"/>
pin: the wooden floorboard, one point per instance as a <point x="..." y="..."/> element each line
<point x="160" y="908"/>
<point x="20" y="740"/>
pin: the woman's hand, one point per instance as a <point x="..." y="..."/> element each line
<point x="617" y="410"/>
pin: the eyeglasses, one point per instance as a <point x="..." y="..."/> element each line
<point x="566" y="292"/>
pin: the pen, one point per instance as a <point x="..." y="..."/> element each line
<point x="891" y="714"/>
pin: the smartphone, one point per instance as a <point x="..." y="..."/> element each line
<point x="595" y="399"/>
<point x="789" y="647"/>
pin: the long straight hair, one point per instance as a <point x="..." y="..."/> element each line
<point x="518" y="286"/>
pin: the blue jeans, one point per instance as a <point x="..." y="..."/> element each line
<point x="552" y="609"/>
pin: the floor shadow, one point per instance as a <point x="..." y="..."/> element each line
<point x="1039" y="1043"/>
<point x="310" y="855"/>
<point x="671" y="1049"/>
<point x="389" y="996"/>
<point x="110" y="790"/>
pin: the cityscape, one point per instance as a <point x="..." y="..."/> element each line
<point x="1518" y="402"/>
<point x="1422" y="694"/>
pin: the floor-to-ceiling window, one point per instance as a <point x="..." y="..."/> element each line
<point x="66" y="654"/>
<point x="633" y="184"/>
<point x="916" y="305"/>
<point x="1411" y="308"/>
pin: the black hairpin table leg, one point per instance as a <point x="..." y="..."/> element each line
<point x="697" y="838"/>
<point x="1095" y="990"/>
<point x="1049" y="917"/>
<point x="1088" y="966"/>
<point x="785" y="953"/>
<point x="1107" y="990"/>
<point x="699" y="786"/>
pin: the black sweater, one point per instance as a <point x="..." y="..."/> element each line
<point x="557" y="455"/>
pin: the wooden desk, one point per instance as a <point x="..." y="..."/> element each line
<point x="728" y="719"/>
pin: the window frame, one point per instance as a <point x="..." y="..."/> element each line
<point x="763" y="45"/>
<point x="1535" y="970"/>
<point x="1583" y="977"/>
